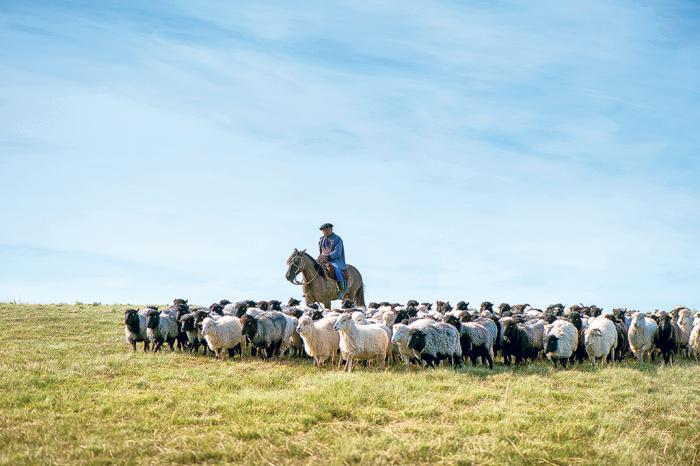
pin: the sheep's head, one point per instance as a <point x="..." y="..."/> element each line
<point x="373" y="305"/>
<point x="503" y="307"/>
<point x="344" y="322"/>
<point x="295" y="312"/>
<point x="216" y="308"/>
<point x="510" y="332"/>
<point x="401" y="316"/>
<point x="462" y="306"/>
<point x="293" y="302"/>
<point x="416" y="339"/>
<point x="398" y="332"/>
<point x="177" y="301"/>
<point x="207" y="325"/>
<point x="411" y="302"/>
<point x="224" y="302"/>
<point x="264" y="306"/>
<point x="199" y="316"/>
<point x="249" y="326"/>
<point x="551" y="344"/>
<point x="275" y="305"/>
<point x="347" y="304"/>
<point x="131" y="320"/>
<point x="486" y="306"/>
<point x="411" y="311"/>
<point x="316" y="314"/>
<point x="452" y="320"/>
<point x="305" y="323"/>
<point x="153" y="318"/>
<point x="359" y="318"/>
<point x="187" y="322"/>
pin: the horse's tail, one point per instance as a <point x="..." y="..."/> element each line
<point x="360" y="296"/>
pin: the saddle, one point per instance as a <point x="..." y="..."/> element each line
<point x="331" y="272"/>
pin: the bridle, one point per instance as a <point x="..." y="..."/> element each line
<point x="297" y="263"/>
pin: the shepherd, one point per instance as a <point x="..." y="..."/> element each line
<point x="332" y="256"/>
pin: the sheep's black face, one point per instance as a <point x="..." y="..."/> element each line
<point x="316" y="315"/>
<point x="240" y="309"/>
<point x="551" y="344"/>
<point x="452" y="320"/>
<point x="275" y="305"/>
<point x="224" y="302"/>
<point x="131" y="320"/>
<point x="188" y="324"/>
<point x="510" y="332"/>
<point x="153" y="319"/>
<point x="313" y="305"/>
<point x="411" y="311"/>
<point x="487" y="306"/>
<point x="217" y="308"/>
<point x="250" y="326"/>
<point x="462" y="306"/>
<point x="177" y="301"/>
<point x="347" y="304"/>
<point x="412" y="302"/>
<point x="401" y="316"/>
<point x="373" y="305"/>
<point x="263" y="305"/>
<point x="503" y="307"/>
<point x="293" y="302"/>
<point x="416" y="340"/>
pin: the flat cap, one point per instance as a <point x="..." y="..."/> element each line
<point x="326" y="225"/>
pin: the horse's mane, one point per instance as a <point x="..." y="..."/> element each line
<point x="317" y="266"/>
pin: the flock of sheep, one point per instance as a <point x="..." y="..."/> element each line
<point x="417" y="334"/>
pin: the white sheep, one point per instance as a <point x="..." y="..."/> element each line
<point x="641" y="335"/>
<point x="321" y="341"/>
<point x="361" y="342"/>
<point x="399" y="337"/>
<point x="600" y="339"/>
<point x="694" y="341"/>
<point x="223" y="334"/>
<point x="685" y="322"/>
<point x="560" y="341"/>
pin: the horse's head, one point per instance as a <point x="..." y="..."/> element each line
<point x="294" y="265"/>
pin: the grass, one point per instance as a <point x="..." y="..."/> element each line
<point x="71" y="391"/>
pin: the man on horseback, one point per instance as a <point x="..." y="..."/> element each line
<point x="332" y="253"/>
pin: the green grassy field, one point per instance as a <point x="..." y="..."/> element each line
<point x="71" y="391"/>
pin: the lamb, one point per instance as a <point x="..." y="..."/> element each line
<point x="161" y="327"/>
<point x="667" y="338"/>
<point x="135" y="327"/>
<point x="362" y="342"/>
<point x="266" y="331"/>
<point x="519" y="341"/>
<point x="600" y="339"/>
<point x="436" y="342"/>
<point x="222" y="334"/>
<point x="640" y="336"/>
<point x="560" y="341"/>
<point x="321" y="341"/>
<point x="475" y="340"/>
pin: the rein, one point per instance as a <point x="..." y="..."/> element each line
<point x="295" y="282"/>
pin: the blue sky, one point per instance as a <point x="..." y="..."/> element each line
<point x="513" y="151"/>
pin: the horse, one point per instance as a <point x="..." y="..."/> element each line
<point x="318" y="287"/>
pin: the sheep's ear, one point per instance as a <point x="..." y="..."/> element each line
<point x="303" y="251"/>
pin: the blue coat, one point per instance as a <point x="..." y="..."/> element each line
<point x="337" y="254"/>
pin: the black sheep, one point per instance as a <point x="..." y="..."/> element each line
<point x="518" y="341"/>
<point x="667" y="338"/>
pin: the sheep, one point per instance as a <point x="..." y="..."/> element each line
<point x="560" y="341"/>
<point x="694" y="341"/>
<point x="519" y="341"/>
<point x="135" y="327"/>
<point x="600" y="339"/>
<point x="181" y="309"/>
<point x="321" y="341"/>
<point x="667" y="338"/>
<point x="537" y="327"/>
<point x="265" y="330"/>
<point x="161" y="327"/>
<point x="640" y="336"/>
<point x="362" y="342"/>
<point x="399" y="338"/>
<point x="622" y="340"/>
<point x="436" y="342"/>
<point x="685" y="322"/>
<point x="194" y="336"/>
<point x="475" y="340"/>
<point x="222" y="334"/>
<point x="291" y="342"/>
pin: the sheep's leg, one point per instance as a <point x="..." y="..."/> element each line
<point x="171" y="343"/>
<point x="133" y="345"/>
<point x="348" y="363"/>
<point x="159" y="343"/>
<point x="563" y="362"/>
<point x="146" y="346"/>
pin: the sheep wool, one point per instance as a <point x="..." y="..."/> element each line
<point x="321" y="341"/>
<point x="600" y="339"/>
<point x="361" y="342"/>
<point x="223" y="334"/>
<point x="560" y="341"/>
